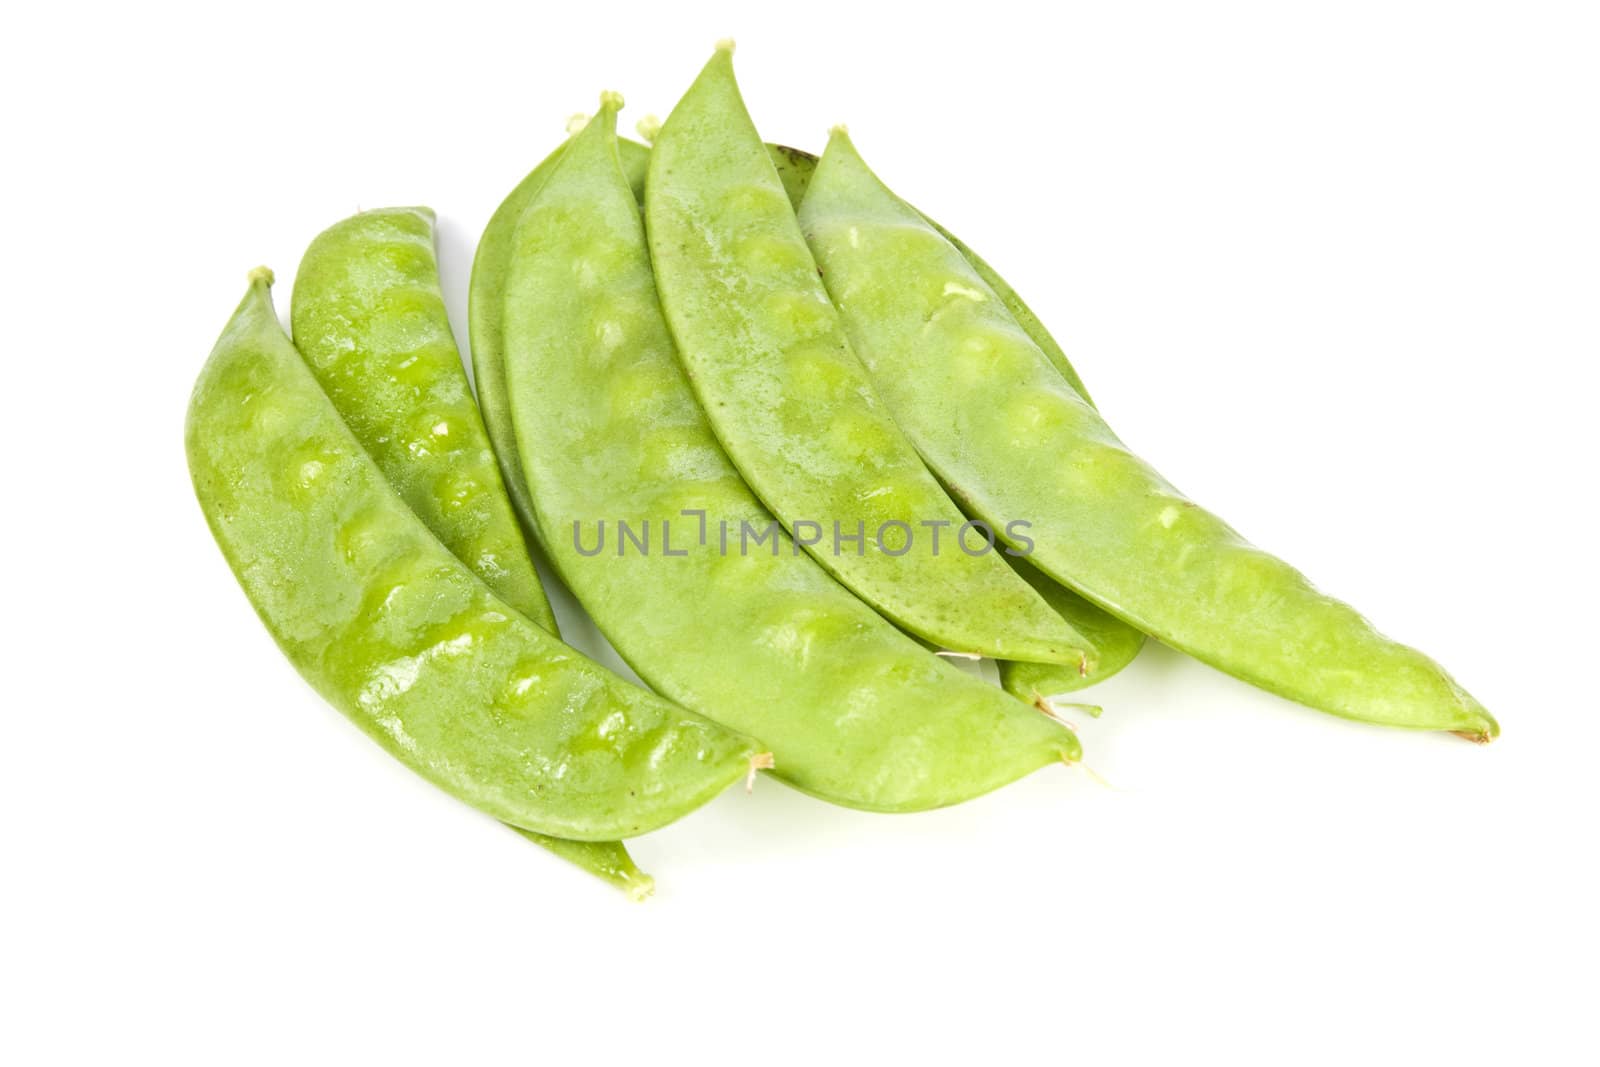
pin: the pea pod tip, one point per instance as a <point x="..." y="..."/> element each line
<point x="725" y="45"/>
<point x="261" y="276"/>
<point x="613" y="99"/>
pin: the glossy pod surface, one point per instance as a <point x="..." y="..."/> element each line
<point x="792" y="405"/>
<point x="766" y="641"/>
<point x="368" y="316"/>
<point x="608" y="860"/>
<point x="1026" y="445"/>
<point x="396" y="633"/>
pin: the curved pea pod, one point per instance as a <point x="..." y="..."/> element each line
<point x="1002" y="427"/>
<point x="1020" y="311"/>
<point x="368" y="316"/>
<point x="485" y="311"/>
<point x="485" y="314"/>
<point x="402" y="638"/>
<point x="607" y="860"/>
<point x="1039" y="683"/>
<point x="1116" y="643"/>
<point x="758" y="637"/>
<point x="792" y="405"/>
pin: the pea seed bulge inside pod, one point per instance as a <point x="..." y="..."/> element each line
<point x="694" y="531"/>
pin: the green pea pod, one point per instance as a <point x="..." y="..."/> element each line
<point x="1116" y="643"/>
<point x="1039" y="683"/>
<point x="485" y="312"/>
<point x="1014" y="440"/>
<point x="609" y="430"/>
<point x="608" y="860"/>
<point x="368" y="315"/>
<point x="1020" y="311"/>
<point x="794" y="167"/>
<point x="402" y="638"/>
<point x="794" y="408"/>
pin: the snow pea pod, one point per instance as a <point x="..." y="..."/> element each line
<point x="402" y="638"/>
<point x="368" y="315"/>
<point x="607" y="860"/>
<point x="1026" y="444"/>
<point x="791" y="403"/>
<point x="760" y="639"/>
<point x="1116" y="643"/>
<point x="1020" y="311"/>
<point x="795" y="167"/>
<point x="485" y="311"/>
<point x="489" y="267"/>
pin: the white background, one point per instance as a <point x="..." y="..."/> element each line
<point x="1333" y="268"/>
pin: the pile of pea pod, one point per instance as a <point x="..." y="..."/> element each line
<point x="707" y="334"/>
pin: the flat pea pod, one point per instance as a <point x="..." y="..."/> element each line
<point x="402" y="638"/>
<point x="1116" y="643"/>
<point x="795" y="167"/>
<point x="1039" y="683"/>
<point x="793" y="406"/>
<point x="368" y="316"/>
<point x="1020" y="311"/>
<point x="607" y="860"/>
<point x="763" y="640"/>
<point x="484" y="313"/>
<point x="1026" y="444"/>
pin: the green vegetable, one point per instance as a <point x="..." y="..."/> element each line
<point x="609" y="429"/>
<point x="607" y="860"/>
<point x="1039" y="683"/>
<point x="1116" y="642"/>
<point x="402" y="638"/>
<point x="1027" y="445"/>
<point x="794" y="408"/>
<point x="368" y="316"/>
<point x="489" y="265"/>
